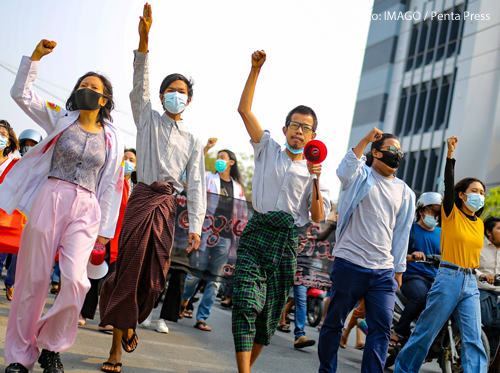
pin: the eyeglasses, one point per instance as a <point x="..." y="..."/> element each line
<point x="393" y="149"/>
<point x="307" y="128"/>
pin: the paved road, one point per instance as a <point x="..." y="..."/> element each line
<point x="186" y="349"/>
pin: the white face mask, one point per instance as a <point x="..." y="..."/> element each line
<point x="3" y="143"/>
<point x="430" y="221"/>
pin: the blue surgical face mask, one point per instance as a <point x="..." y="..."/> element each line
<point x="3" y="142"/>
<point x="475" y="201"/>
<point x="175" y="102"/>
<point x="23" y="150"/>
<point x="129" y="167"/>
<point x="220" y="165"/>
<point x="292" y="150"/>
<point x="430" y="221"/>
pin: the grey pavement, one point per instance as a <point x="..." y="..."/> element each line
<point x="186" y="349"/>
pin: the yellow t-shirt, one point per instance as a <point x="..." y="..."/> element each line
<point x="461" y="239"/>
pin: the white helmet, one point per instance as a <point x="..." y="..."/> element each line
<point x="429" y="198"/>
<point x="28" y="135"/>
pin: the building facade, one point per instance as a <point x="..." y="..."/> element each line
<point x="432" y="70"/>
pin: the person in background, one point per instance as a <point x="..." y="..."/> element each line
<point x="489" y="267"/>
<point x="10" y="225"/>
<point x="226" y="184"/>
<point x="425" y="239"/>
<point x="27" y="139"/>
<point x="357" y="313"/>
<point x="130" y="158"/>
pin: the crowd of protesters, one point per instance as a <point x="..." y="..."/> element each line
<point x="113" y="244"/>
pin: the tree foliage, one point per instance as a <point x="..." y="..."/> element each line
<point x="492" y="203"/>
<point x="245" y="164"/>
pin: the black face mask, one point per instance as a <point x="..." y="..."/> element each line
<point x="390" y="159"/>
<point x="87" y="99"/>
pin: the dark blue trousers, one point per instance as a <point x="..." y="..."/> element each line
<point x="415" y="288"/>
<point x="350" y="283"/>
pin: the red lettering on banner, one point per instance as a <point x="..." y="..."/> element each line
<point x="181" y="200"/>
<point x="228" y="269"/>
<point x="184" y="220"/>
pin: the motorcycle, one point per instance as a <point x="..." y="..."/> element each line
<point x="315" y="302"/>
<point x="447" y="345"/>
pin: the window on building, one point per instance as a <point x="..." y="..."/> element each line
<point x="437" y="38"/>
<point x="420" y="174"/>
<point x="436" y="96"/>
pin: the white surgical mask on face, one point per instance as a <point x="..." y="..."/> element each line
<point x="3" y="142"/>
<point x="430" y="221"/>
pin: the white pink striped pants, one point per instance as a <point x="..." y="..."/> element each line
<point x="64" y="217"/>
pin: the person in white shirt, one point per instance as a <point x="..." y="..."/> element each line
<point x="489" y="267"/>
<point x="284" y="196"/>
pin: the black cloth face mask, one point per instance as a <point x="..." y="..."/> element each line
<point x="390" y="159"/>
<point x="87" y="99"/>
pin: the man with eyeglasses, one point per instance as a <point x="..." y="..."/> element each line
<point x="376" y="211"/>
<point x="283" y="197"/>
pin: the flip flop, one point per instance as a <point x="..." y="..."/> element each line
<point x="360" y="347"/>
<point x="112" y="366"/>
<point x="126" y="343"/>
<point x="188" y="314"/>
<point x="202" y="325"/>
<point x="285" y="328"/>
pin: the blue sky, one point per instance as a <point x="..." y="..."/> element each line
<point x="314" y="55"/>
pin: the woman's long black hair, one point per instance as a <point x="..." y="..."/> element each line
<point x="107" y="92"/>
<point x="462" y="186"/>
<point x="377" y="145"/>
<point x="235" y="171"/>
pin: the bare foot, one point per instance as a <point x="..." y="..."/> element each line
<point x="343" y="340"/>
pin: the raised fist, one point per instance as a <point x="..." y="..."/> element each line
<point x="452" y="143"/>
<point x="145" y="21"/>
<point x="43" y="48"/>
<point x="258" y="58"/>
<point x="211" y="142"/>
<point x="374" y="135"/>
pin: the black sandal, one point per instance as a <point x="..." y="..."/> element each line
<point x="202" y="324"/>
<point x="181" y="311"/>
<point x="126" y="343"/>
<point x="285" y="328"/>
<point x="111" y="365"/>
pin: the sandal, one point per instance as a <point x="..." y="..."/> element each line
<point x="112" y="367"/>
<point x="226" y="304"/>
<point x="320" y="326"/>
<point x="285" y="328"/>
<point x="202" y="325"/>
<point x="188" y="314"/>
<point x="126" y="343"/>
<point x="182" y="311"/>
<point x="303" y="342"/>
<point x="360" y="347"/>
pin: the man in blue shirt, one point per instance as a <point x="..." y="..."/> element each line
<point x="425" y="239"/>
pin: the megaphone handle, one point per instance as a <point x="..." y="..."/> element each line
<point x="315" y="181"/>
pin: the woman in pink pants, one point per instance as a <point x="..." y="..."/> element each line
<point x="69" y="186"/>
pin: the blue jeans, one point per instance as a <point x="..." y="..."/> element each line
<point x="300" y="296"/>
<point x="56" y="273"/>
<point x="350" y="283"/>
<point x="415" y="288"/>
<point x="453" y="293"/>
<point x="211" y="259"/>
<point x="10" y="279"/>
<point x="3" y="258"/>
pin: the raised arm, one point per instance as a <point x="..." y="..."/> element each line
<point x="42" y="112"/>
<point x="245" y="108"/>
<point x="210" y="144"/>
<point x="449" y="177"/>
<point x="140" y="96"/>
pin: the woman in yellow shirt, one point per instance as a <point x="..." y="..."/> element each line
<point x="455" y="289"/>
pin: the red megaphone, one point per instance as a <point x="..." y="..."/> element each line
<point x="315" y="151"/>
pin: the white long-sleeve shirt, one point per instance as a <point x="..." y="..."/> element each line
<point x="166" y="148"/>
<point x="489" y="264"/>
